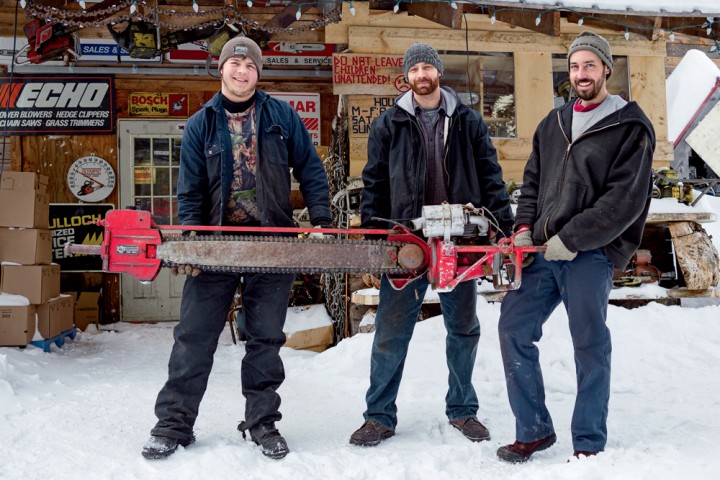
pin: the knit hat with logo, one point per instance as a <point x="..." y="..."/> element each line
<point x="421" y="52"/>
<point x="241" y="47"/>
<point x="594" y="43"/>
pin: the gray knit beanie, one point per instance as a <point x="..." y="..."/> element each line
<point x="241" y="47"/>
<point x="596" y="44"/>
<point x="421" y="52"/>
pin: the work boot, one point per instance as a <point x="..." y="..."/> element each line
<point x="267" y="436"/>
<point x="520" y="452"/>
<point x="472" y="429"/>
<point x="160" y="447"/>
<point x="370" y="434"/>
<point x="584" y="453"/>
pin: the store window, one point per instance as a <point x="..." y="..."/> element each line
<point x="617" y="84"/>
<point x="156" y="167"/>
<point x="486" y="83"/>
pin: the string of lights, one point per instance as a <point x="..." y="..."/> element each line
<point x="708" y="24"/>
<point x="143" y="11"/>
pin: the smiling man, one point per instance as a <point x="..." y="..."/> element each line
<point x="585" y="195"/>
<point x="236" y="159"/>
<point x="428" y="149"/>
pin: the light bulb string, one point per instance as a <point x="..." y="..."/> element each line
<point x="150" y="13"/>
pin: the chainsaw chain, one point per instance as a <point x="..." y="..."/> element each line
<point x="281" y="239"/>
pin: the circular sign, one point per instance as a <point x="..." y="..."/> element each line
<point x="91" y="179"/>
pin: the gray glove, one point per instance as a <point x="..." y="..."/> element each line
<point x="186" y="269"/>
<point x="524" y="239"/>
<point x="556" y="250"/>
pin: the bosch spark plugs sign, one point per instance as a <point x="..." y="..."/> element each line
<point x="153" y="104"/>
<point x="57" y="104"/>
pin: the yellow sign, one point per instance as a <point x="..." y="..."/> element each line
<point x="153" y="104"/>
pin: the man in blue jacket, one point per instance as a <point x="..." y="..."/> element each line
<point x="428" y="149"/>
<point x="235" y="162"/>
<point x="585" y="195"/>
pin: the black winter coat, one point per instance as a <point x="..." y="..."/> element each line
<point x="593" y="192"/>
<point x="394" y="177"/>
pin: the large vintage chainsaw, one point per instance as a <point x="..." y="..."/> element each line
<point x="133" y="244"/>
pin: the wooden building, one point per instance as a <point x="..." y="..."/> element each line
<point x="506" y="58"/>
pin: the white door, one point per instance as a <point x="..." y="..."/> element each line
<point x="149" y="162"/>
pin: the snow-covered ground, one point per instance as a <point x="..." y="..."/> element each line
<point x="85" y="410"/>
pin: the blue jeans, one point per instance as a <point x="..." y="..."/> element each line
<point x="394" y="324"/>
<point x="205" y="304"/>
<point x="583" y="285"/>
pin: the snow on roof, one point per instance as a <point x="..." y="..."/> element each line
<point x="703" y="7"/>
<point x="687" y="88"/>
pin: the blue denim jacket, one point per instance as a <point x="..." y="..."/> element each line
<point x="206" y="165"/>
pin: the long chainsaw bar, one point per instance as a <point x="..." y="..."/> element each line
<point x="280" y="254"/>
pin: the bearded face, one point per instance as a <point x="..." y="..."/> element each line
<point x="587" y="76"/>
<point x="424" y="79"/>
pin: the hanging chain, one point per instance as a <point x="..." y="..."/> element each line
<point x="336" y="166"/>
<point x="220" y="16"/>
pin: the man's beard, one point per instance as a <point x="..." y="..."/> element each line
<point x="591" y="93"/>
<point x="425" y="89"/>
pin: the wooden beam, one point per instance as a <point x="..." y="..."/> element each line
<point x="549" y="21"/>
<point x="534" y="94"/>
<point x="441" y="13"/>
<point x="647" y="85"/>
<point x="396" y="40"/>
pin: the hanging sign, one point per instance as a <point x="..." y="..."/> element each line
<point x="363" y="110"/>
<point x="106" y="50"/>
<point x="57" y="104"/>
<point x="91" y="179"/>
<point x="368" y="74"/>
<point x="296" y="54"/>
<point x="283" y="54"/>
<point x="158" y="104"/>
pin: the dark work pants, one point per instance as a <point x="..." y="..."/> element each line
<point x="394" y="325"/>
<point x="205" y="304"/>
<point x="583" y="286"/>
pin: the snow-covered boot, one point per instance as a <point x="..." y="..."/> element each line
<point x="267" y="436"/>
<point x="160" y="447"/>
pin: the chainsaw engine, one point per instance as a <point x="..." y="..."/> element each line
<point x="47" y="41"/>
<point x="447" y="221"/>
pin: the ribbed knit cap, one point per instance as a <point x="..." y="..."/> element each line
<point x="596" y="44"/>
<point x="421" y="52"/>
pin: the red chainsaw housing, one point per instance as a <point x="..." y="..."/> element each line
<point x="130" y="244"/>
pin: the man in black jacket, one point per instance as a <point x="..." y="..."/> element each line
<point x="428" y="149"/>
<point x="585" y="195"/>
<point x="236" y="159"/>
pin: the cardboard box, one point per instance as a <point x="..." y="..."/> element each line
<point x="55" y="316"/>
<point x="26" y="246"/>
<point x="38" y="283"/>
<point x="24" y="200"/>
<point x="17" y="325"/>
<point x="314" y="339"/>
<point x="87" y="309"/>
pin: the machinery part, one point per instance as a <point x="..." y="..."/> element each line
<point x="47" y="41"/>
<point x="643" y="269"/>
<point x="448" y="221"/>
<point x="133" y="244"/>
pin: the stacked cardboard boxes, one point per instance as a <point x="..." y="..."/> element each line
<point x="26" y="270"/>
